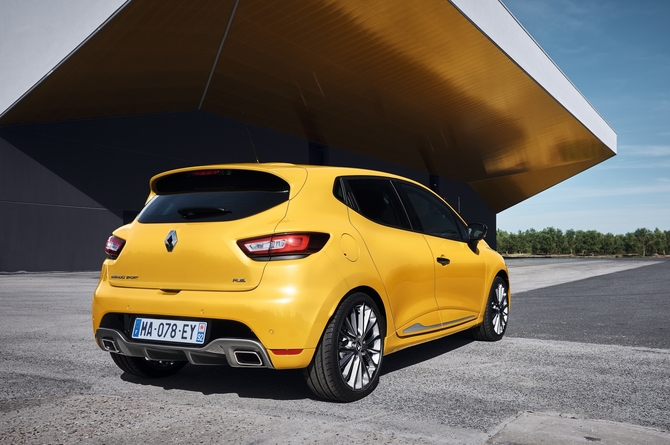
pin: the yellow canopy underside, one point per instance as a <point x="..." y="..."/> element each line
<point x="414" y="83"/>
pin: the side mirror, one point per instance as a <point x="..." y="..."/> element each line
<point x="477" y="231"/>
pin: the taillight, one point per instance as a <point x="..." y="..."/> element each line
<point x="283" y="246"/>
<point x="113" y="247"/>
<point x="203" y="173"/>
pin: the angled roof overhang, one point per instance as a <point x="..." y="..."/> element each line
<point x="454" y="88"/>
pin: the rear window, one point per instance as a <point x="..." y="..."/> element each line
<point x="220" y="181"/>
<point x="213" y="195"/>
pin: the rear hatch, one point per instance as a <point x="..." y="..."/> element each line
<point x="186" y="236"/>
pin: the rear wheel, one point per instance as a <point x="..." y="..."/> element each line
<point x="143" y="367"/>
<point x="348" y="359"/>
<point x="496" y="314"/>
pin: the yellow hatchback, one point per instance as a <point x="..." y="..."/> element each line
<point x="287" y="266"/>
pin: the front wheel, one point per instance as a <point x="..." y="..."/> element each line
<point x="496" y="313"/>
<point x="347" y="361"/>
<point x="143" y="367"/>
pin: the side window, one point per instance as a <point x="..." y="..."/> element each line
<point x="338" y="192"/>
<point x="436" y="218"/>
<point x="377" y="199"/>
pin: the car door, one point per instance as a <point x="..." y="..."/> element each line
<point x="459" y="271"/>
<point x="402" y="257"/>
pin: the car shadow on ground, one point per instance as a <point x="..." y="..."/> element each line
<point x="423" y="352"/>
<point x="245" y="382"/>
<point x="286" y="384"/>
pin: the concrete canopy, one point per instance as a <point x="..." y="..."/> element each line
<point x="422" y="84"/>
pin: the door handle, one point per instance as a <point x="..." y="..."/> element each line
<point x="443" y="261"/>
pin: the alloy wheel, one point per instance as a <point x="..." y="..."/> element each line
<point x="359" y="350"/>
<point x="500" y="309"/>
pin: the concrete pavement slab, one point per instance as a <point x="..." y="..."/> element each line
<point x="529" y="274"/>
<point x="570" y="429"/>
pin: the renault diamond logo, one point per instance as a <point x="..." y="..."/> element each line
<point x="171" y="240"/>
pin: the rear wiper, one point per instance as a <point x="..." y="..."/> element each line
<point x="201" y="212"/>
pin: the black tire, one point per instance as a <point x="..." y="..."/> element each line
<point x="496" y="313"/>
<point x="348" y="359"/>
<point x="142" y="367"/>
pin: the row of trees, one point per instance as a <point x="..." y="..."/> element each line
<point x="551" y="241"/>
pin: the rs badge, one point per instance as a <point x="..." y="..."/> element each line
<point x="171" y="240"/>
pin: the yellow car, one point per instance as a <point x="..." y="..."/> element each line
<point x="289" y="266"/>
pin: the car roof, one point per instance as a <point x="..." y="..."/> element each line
<point x="283" y="166"/>
<point x="294" y="174"/>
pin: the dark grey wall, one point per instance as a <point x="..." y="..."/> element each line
<point x="46" y="223"/>
<point x="65" y="186"/>
<point x="112" y="160"/>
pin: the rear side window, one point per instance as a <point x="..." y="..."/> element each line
<point x="213" y="195"/>
<point x="434" y="216"/>
<point x="377" y="199"/>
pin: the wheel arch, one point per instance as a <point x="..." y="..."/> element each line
<point x="502" y="273"/>
<point x="372" y="293"/>
<point x="505" y="276"/>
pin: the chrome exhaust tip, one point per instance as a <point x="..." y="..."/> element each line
<point x="109" y="345"/>
<point x="248" y="358"/>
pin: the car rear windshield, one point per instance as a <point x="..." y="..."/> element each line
<point x="213" y="180"/>
<point x="213" y="195"/>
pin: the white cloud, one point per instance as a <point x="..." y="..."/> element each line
<point x="646" y="150"/>
<point x="577" y="50"/>
<point x="661" y="186"/>
<point x="596" y="194"/>
<point x="614" y="220"/>
<point x="635" y="165"/>
<point x="646" y="189"/>
<point x="663" y="105"/>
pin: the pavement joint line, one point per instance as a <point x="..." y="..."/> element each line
<point x="502" y="425"/>
<point x="560" y="428"/>
<point x="376" y="416"/>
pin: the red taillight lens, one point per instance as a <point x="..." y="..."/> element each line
<point x="113" y="247"/>
<point x="288" y="245"/>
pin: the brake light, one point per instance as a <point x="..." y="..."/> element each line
<point x="203" y="173"/>
<point x="289" y="245"/>
<point x="113" y="247"/>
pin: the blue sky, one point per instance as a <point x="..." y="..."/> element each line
<point x="617" y="53"/>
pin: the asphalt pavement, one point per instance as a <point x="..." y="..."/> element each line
<point x="586" y="360"/>
<point x="627" y="308"/>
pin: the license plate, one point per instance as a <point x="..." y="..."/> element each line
<point x="179" y="331"/>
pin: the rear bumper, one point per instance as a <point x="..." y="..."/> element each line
<point x="287" y="311"/>
<point x="235" y="352"/>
